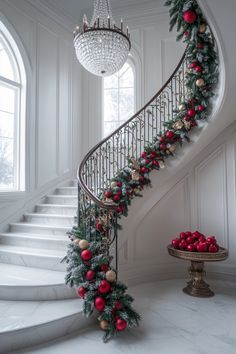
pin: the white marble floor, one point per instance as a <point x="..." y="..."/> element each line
<point x="173" y="323"/>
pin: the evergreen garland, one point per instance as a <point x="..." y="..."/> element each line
<point x="88" y="263"/>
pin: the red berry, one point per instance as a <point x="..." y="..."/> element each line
<point x="190" y="240"/>
<point x="188" y="233"/>
<point x="116" y="197"/>
<point x="202" y="238"/>
<point x="193" y="64"/>
<point x="119" y="184"/>
<point x="175" y="243"/>
<point x="182" y="235"/>
<point x="170" y="134"/>
<point x="198" y="69"/>
<point x="81" y="292"/>
<point x="144" y="154"/>
<point x="86" y="255"/>
<point x="183" y="245"/>
<point x="190" y="16"/>
<point x="191" y="112"/>
<point x="104" y="267"/>
<point x="213" y="248"/>
<point x="190" y="248"/>
<point x="211" y="240"/>
<point x="143" y="169"/>
<point x="202" y="247"/>
<point x="108" y="194"/>
<point x="163" y="146"/>
<point x="121" y="324"/>
<point x="99" y="303"/>
<point x="195" y="245"/>
<point x="201" y="108"/>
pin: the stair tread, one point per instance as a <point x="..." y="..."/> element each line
<point x="35" y="236"/>
<point x="69" y="196"/>
<point x="68" y="187"/>
<point x="16" y="275"/>
<point x="49" y="215"/>
<point x="43" y="226"/>
<point x="57" y="205"/>
<point x="18" y="315"/>
<point x="40" y="252"/>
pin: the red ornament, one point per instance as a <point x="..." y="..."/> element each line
<point x="119" y="192"/>
<point x="119" y="209"/>
<point x="119" y="184"/>
<point x="198" y="69"/>
<point x="195" y="245"/>
<point x="193" y="64"/>
<point x="81" y="292"/>
<point x="182" y="235"/>
<point x="170" y="134"/>
<point x="116" y="198"/>
<point x="213" y="248"/>
<point x="104" y="287"/>
<point x="121" y="324"/>
<point x="141" y="179"/>
<point x="99" y="227"/>
<point x="104" y="267"/>
<point x="190" y="240"/>
<point x="211" y="240"/>
<point x="201" y="108"/>
<point x="196" y="234"/>
<point x="202" y="247"/>
<point x="99" y="303"/>
<point x="183" y="245"/>
<point x="193" y="124"/>
<point x="175" y="243"/>
<point x="153" y="154"/>
<point x="108" y="194"/>
<point x="190" y="16"/>
<point x="147" y="161"/>
<point x="90" y="275"/>
<point x="155" y="163"/>
<point x="187" y="118"/>
<point x="191" y="112"/>
<point x="144" y="154"/>
<point x="188" y="233"/>
<point x="202" y="238"/>
<point x="143" y="169"/>
<point x="200" y="45"/>
<point x="163" y="146"/>
<point x="162" y="139"/>
<point x="118" y="305"/>
<point x="86" y="255"/>
<point x="190" y="248"/>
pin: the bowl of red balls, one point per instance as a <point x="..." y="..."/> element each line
<point x="190" y="245"/>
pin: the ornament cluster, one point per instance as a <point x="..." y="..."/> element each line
<point x="88" y="263"/>
<point x="195" y="242"/>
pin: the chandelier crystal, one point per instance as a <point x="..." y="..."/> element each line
<point x="102" y="47"/>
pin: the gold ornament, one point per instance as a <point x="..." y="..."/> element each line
<point x="113" y="184"/>
<point x="111" y="276"/>
<point x="104" y="325"/>
<point x="161" y="164"/>
<point x="187" y="125"/>
<point x="182" y="107"/>
<point x="109" y="200"/>
<point x="135" y="165"/>
<point x="178" y="125"/>
<point x="172" y="148"/>
<point x="76" y="242"/>
<point x="202" y="28"/>
<point x="200" y="82"/>
<point x="83" y="244"/>
<point x="135" y="175"/>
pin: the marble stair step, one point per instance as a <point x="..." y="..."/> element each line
<point x="61" y="199"/>
<point x="74" y="182"/>
<point x="33" y="284"/>
<point x="70" y="190"/>
<point x="32" y="257"/>
<point x="27" y="323"/>
<point x="51" y="242"/>
<point x="56" y="209"/>
<point x="24" y="227"/>
<point x="48" y="219"/>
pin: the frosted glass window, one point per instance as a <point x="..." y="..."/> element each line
<point x="118" y="98"/>
<point x="10" y="89"/>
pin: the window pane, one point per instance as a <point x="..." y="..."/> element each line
<point x="127" y="80"/>
<point x="7" y="99"/>
<point x="111" y="81"/>
<point x="111" y="105"/>
<point x="110" y="126"/>
<point x="6" y="125"/>
<point x="126" y="103"/>
<point x="7" y="61"/>
<point x="6" y="163"/>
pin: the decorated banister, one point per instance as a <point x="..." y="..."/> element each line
<point x="118" y="168"/>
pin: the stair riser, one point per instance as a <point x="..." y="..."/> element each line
<point x="67" y="191"/>
<point x="45" y="262"/>
<point x="34" y="242"/>
<point x="27" y="337"/>
<point x="56" y="210"/>
<point x="36" y="293"/>
<point x="61" y="200"/>
<point x="68" y="221"/>
<point x="37" y="230"/>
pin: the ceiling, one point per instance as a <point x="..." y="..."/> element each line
<point x="73" y="8"/>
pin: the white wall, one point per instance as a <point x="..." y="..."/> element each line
<point x="53" y="101"/>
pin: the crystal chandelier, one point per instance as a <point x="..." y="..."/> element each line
<point x="102" y="47"/>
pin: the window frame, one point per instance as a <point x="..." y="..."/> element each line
<point x="19" y="84"/>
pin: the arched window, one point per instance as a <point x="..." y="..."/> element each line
<point x="118" y="98"/>
<point x="11" y="114"/>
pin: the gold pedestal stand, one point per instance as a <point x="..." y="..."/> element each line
<point x="197" y="286"/>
